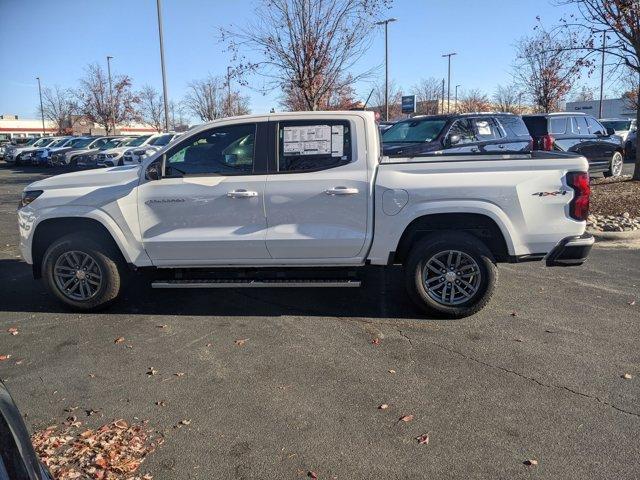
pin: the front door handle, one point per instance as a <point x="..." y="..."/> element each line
<point x="341" y="191"/>
<point x="241" y="193"/>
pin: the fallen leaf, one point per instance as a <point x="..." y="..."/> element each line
<point x="13" y="331"/>
<point x="312" y="474"/>
<point x="19" y="362"/>
<point x="119" y="340"/>
<point x="514" y="314"/>
<point x="91" y="375"/>
<point x="406" y="418"/>
<point x="517" y="339"/>
<point x="375" y="341"/>
<point x="162" y="326"/>
<point x="531" y="462"/>
<point x="4" y="357"/>
<point x="179" y="374"/>
<point x="384" y="406"/>
<point x="209" y="344"/>
<point x="632" y="303"/>
<point x="392" y="371"/>
<point x="91" y="412"/>
<point x="423" y="439"/>
<point x="70" y="409"/>
<point x="241" y="342"/>
<point x="151" y="371"/>
<point x="627" y="376"/>
<point x="161" y="403"/>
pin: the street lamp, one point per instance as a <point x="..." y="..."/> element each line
<point x="455" y="102"/>
<point x="604" y="46"/>
<point x="386" y="64"/>
<point x="41" y="109"/>
<point x="113" y="120"/>
<point x="164" y="73"/>
<point x="449" y="55"/>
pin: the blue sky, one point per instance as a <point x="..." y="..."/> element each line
<point x="57" y="39"/>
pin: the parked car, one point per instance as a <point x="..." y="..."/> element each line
<point x="578" y="133"/>
<point x="455" y="134"/>
<point x="69" y="156"/>
<point x="384" y="126"/>
<point x="18" y="459"/>
<point x="3" y="146"/>
<point x="300" y="193"/>
<point x="40" y="156"/>
<point x="621" y="126"/>
<point x="90" y="158"/>
<point x="630" y="146"/>
<point x="15" y="149"/>
<point x="136" y="155"/>
<point x="115" y="156"/>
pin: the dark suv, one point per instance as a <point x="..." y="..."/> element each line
<point x="578" y="133"/>
<point x="457" y="133"/>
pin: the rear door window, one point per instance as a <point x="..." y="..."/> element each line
<point x="462" y="128"/>
<point x="579" y="125"/>
<point x="486" y="129"/>
<point x="594" y="126"/>
<point x="558" y="125"/>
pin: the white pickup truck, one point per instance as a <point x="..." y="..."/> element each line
<point x="304" y="200"/>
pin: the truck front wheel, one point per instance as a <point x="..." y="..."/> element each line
<point x="450" y="274"/>
<point x="81" y="272"/>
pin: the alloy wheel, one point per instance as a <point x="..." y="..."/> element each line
<point x="451" y="277"/>
<point x="617" y="163"/>
<point x="77" y="275"/>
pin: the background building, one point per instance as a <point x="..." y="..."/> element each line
<point x="611" y="108"/>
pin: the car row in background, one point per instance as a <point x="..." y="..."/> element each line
<point x="86" y="151"/>
<point x="490" y="132"/>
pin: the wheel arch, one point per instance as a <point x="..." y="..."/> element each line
<point x="480" y="225"/>
<point x="49" y="230"/>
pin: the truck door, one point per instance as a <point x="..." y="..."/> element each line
<point x="208" y="206"/>
<point x="317" y="194"/>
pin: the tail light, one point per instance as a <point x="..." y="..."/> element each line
<point x="579" y="205"/>
<point x="546" y="142"/>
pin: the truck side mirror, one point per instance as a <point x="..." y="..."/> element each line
<point x="154" y="170"/>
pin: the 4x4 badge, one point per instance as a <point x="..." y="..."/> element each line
<point x="550" y="194"/>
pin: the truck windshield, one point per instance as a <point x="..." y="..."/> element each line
<point x="617" y="125"/>
<point x="414" y="131"/>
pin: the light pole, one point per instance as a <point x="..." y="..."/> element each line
<point x="604" y="45"/>
<point x="455" y="101"/>
<point x="164" y="73"/>
<point x="113" y="120"/>
<point x="386" y="65"/>
<point x="449" y="55"/>
<point x="41" y="109"/>
<point x="229" y="91"/>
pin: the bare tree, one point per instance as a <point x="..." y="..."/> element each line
<point x="620" y="22"/>
<point x="98" y="106"/>
<point x="151" y="107"/>
<point x="342" y="98"/>
<point x="395" y="100"/>
<point x="547" y="66"/>
<point x="306" y="47"/>
<point x="508" y="99"/>
<point x="428" y="92"/>
<point x="474" y="101"/>
<point x="584" y="94"/>
<point x="59" y="107"/>
<point x="208" y="99"/>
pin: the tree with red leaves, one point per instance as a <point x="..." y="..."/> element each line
<point x="98" y="105"/>
<point x="305" y="48"/>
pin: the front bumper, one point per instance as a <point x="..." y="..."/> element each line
<point x="570" y="251"/>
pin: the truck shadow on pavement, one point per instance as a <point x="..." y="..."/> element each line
<point x="381" y="296"/>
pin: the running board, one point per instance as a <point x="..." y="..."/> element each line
<point x="229" y="283"/>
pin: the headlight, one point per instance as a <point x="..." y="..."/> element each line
<point x="29" y="196"/>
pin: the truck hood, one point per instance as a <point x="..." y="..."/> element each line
<point x="89" y="178"/>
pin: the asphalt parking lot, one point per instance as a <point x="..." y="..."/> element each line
<point x="536" y="375"/>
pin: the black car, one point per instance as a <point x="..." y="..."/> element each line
<point x="578" y="133"/>
<point x="630" y="146"/>
<point x="457" y="133"/>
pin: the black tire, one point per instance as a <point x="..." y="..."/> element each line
<point x="438" y="243"/>
<point x="108" y="262"/>
<point x="615" y="171"/>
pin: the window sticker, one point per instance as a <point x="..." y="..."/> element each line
<point x="313" y="140"/>
<point x="483" y="128"/>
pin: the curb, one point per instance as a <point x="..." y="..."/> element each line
<point x="614" y="236"/>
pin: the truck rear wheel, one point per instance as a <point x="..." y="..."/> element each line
<point x="82" y="273"/>
<point x="450" y="274"/>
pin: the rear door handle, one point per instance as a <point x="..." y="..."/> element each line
<point x="241" y="193"/>
<point x="341" y="191"/>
